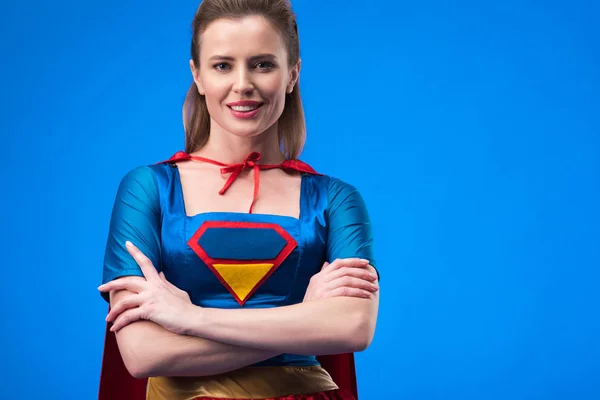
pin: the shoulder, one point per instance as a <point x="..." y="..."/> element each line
<point x="337" y="192"/>
<point x="345" y="198"/>
<point x="142" y="176"/>
<point x="333" y="185"/>
<point x="144" y="182"/>
<point x="139" y="173"/>
<point x="338" y="188"/>
<point x="148" y="176"/>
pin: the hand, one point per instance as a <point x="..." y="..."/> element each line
<point x="349" y="277"/>
<point x="153" y="298"/>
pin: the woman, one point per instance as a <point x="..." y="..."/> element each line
<point x="231" y="265"/>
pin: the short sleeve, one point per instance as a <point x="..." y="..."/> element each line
<point x="349" y="227"/>
<point x="136" y="218"/>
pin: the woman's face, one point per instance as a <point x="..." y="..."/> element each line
<point x="244" y="74"/>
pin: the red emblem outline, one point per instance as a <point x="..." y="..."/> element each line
<point x="290" y="245"/>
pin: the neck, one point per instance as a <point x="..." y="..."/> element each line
<point x="230" y="149"/>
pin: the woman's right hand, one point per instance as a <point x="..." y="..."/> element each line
<point x="348" y="277"/>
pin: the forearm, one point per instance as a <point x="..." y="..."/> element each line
<point x="148" y="349"/>
<point x="162" y="353"/>
<point x="330" y="326"/>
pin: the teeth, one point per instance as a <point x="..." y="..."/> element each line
<point x="244" y="108"/>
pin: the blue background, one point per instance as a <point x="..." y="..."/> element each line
<point x="471" y="129"/>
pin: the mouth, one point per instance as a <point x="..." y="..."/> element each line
<point x="245" y="109"/>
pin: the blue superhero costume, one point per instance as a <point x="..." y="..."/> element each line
<point x="232" y="260"/>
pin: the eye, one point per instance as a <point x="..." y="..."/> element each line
<point x="222" y="66"/>
<point x="264" y="65"/>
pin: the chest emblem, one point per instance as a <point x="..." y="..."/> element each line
<point x="242" y="255"/>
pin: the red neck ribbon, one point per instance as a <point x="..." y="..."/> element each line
<point x="251" y="162"/>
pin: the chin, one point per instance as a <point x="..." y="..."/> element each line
<point x="248" y="128"/>
<point x="245" y="132"/>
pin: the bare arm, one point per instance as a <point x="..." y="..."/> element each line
<point x="328" y="326"/>
<point x="150" y="350"/>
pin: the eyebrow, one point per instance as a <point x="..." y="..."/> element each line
<point x="253" y="58"/>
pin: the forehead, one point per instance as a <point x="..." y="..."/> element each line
<point x="239" y="37"/>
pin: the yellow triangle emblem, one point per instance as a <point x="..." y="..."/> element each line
<point x="243" y="279"/>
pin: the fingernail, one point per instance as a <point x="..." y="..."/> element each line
<point x="364" y="260"/>
<point x="128" y="243"/>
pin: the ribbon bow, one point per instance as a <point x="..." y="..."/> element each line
<point x="250" y="162"/>
<point x="236" y="170"/>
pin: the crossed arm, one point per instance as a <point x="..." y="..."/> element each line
<point x="148" y="349"/>
<point x="181" y="339"/>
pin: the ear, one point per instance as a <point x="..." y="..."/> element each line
<point x="294" y="76"/>
<point x="196" y="75"/>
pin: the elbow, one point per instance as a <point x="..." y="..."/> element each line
<point x="361" y="341"/>
<point x="138" y="366"/>
<point x="138" y="371"/>
<point x="140" y="361"/>
<point x="362" y="334"/>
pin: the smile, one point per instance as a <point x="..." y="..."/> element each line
<point x="245" y="111"/>
<point x="245" y="108"/>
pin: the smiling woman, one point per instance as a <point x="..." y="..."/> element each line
<point x="260" y="80"/>
<point x="227" y="284"/>
<point x="245" y="51"/>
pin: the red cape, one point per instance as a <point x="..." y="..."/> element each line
<point x="117" y="384"/>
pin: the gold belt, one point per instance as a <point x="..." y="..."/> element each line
<point x="244" y="383"/>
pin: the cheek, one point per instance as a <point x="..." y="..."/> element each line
<point x="214" y="89"/>
<point x="274" y="90"/>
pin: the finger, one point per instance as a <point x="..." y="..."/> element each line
<point x="373" y="271"/>
<point x="131" y="301"/>
<point x="144" y="262"/>
<point x="350" y="262"/>
<point x="327" y="266"/>
<point x="346" y="262"/>
<point x="349" y="292"/>
<point x="132" y="283"/>
<point x="126" y="318"/>
<point x="350" y="282"/>
<point x="356" y="272"/>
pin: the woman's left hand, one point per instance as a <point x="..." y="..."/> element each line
<point x="153" y="299"/>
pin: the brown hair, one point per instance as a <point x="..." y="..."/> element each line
<point x="291" y="124"/>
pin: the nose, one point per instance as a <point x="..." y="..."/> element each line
<point x="243" y="82"/>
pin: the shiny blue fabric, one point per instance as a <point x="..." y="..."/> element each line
<point x="149" y="211"/>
